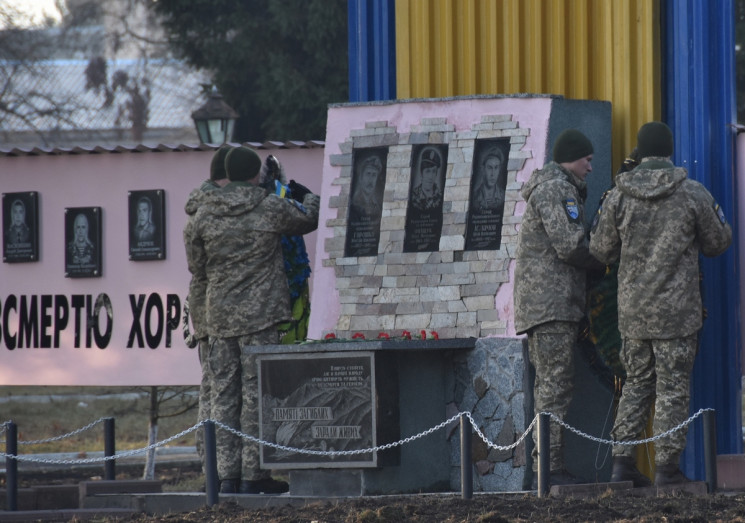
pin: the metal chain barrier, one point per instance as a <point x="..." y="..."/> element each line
<point x="57" y="438"/>
<point x="336" y="452"/>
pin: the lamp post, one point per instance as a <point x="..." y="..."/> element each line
<point x="215" y="119"/>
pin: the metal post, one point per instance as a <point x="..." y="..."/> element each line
<point x="109" y="445"/>
<point x="544" y="453"/>
<point x="710" y="449"/>
<point x="11" y="465"/>
<point x="466" y="472"/>
<point x="210" y="463"/>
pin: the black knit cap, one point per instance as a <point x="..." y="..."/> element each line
<point x="242" y="164"/>
<point x="654" y="139"/>
<point x="571" y="145"/>
<point x="217" y="166"/>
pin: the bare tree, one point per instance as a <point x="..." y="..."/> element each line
<point x="122" y="57"/>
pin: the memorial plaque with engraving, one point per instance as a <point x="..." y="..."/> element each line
<point x="83" y="242"/>
<point x="319" y="402"/>
<point x="366" y="201"/>
<point x="488" y="185"/>
<point x="20" y="227"/>
<point x="147" y="225"/>
<point x="424" y="215"/>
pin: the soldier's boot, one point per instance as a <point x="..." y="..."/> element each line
<point x="669" y="475"/>
<point x="264" y="486"/>
<point x="624" y="469"/>
<point x="229" y="486"/>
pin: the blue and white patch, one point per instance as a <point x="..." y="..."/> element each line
<point x="720" y="213"/>
<point x="572" y="209"/>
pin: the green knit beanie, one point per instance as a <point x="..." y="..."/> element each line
<point x="654" y="139"/>
<point x="571" y="145"/>
<point x="217" y="166"/>
<point x="242" y="164"/>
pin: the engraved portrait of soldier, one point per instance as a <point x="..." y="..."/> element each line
<point x="147" y="225"/>
<point x="366" y="201"/>
<point x="424" y="214"/>
<point x="488" y="188"/>
<point x="83" y="242"/>
<point x="20" y="232"/>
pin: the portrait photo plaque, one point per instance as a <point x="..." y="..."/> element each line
<point x="366" y="201"/>
<point x="488" y="186"/>
<point x="83" y="242"/>
<point x="317" y="402"/>
<point x="20" y="227"/>
<point x="147" y="225"/>
<point x="424" y="215"/>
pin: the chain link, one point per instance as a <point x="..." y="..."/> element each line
<point x="58" y="438"/>
<point x="341" y="452"/>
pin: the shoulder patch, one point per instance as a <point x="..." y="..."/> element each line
<point x="572" y="209"/>
<point x="720" y="213"/>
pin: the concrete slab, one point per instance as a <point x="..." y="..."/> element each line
<point x="588" y="490"/>
<point x="731" y="472"/>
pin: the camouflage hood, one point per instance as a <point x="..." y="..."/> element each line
<point x="198" y="196"/>
<point x="552" y="171"/>
<point x="653" y="179"/>
<point x="235" y="199"/>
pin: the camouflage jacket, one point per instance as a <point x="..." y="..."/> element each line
<point x="552" y="250"/>
<point x="655" y="222"/>
<point x="197" y="285"/>
<point x="235" y="246"/>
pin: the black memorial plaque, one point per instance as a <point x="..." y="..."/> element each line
<point x="366" y="201"/>
<point x="319" y="402"/>
<point x="486" y="203"/>
<point x="20" y="227"/>
<point x="82" y="242"/>
<point x="147" y="225"/>
<point x="424" y="215"/>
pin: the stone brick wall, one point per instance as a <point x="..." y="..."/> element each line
<point x="491" y="382"/>
<point x="450" y="291"/>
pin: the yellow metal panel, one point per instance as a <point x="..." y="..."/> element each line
<point x="584" y="49"/>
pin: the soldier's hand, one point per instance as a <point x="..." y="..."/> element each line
<point x="298" y="191"/>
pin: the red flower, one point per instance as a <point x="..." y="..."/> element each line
<point x="424" y="334"/>
<point x="358" y="336"/>
<point x="329" y="336"/>
<point x="383" y="336"/>
<point x="435" y="336"/>
<point x="406" y="334"/>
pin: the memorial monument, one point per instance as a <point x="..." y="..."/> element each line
<point x="419" y="218"/>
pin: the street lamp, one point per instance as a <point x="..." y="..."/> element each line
<point x="215" y="119"/>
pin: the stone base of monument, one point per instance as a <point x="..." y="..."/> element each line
<point x="339" y="399"/>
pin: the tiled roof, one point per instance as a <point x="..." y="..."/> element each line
<point x="40" y="151"/>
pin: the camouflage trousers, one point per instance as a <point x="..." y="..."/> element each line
<point x="657" y="372"/>
<point x="204" y="411"/>
<point x="234" y="401"/>
<point x="551" y="351"/>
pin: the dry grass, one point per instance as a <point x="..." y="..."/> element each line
<point x="46" y="412"/>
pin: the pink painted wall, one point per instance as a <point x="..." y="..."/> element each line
<point x="84" y="180"/>
<point x="463" y="114"/>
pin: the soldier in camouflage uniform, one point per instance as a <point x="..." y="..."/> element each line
<point x="235" y="246"/>
<point x="552" y="259"/>
<point x="655" y="222"/>
<point x="198" y="286"/>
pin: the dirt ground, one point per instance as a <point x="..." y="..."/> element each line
<point x="449" y="508"/>
<point x="493" y="508"/>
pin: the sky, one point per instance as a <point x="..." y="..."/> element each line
<point x="33" y="9"/>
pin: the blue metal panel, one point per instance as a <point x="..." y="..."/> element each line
<point x="372" y="50"/>
<point x="700" y="106"/>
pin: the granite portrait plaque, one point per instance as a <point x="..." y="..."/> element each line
<point x="486" y="203"/>
<point x="147" y="225"/>
<point x="20" y="227"/>
<point x="317" y="402"/>
<point x="366" y="201"/>
<point x="424" y="215"/>
<point x="83" y="242"/>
